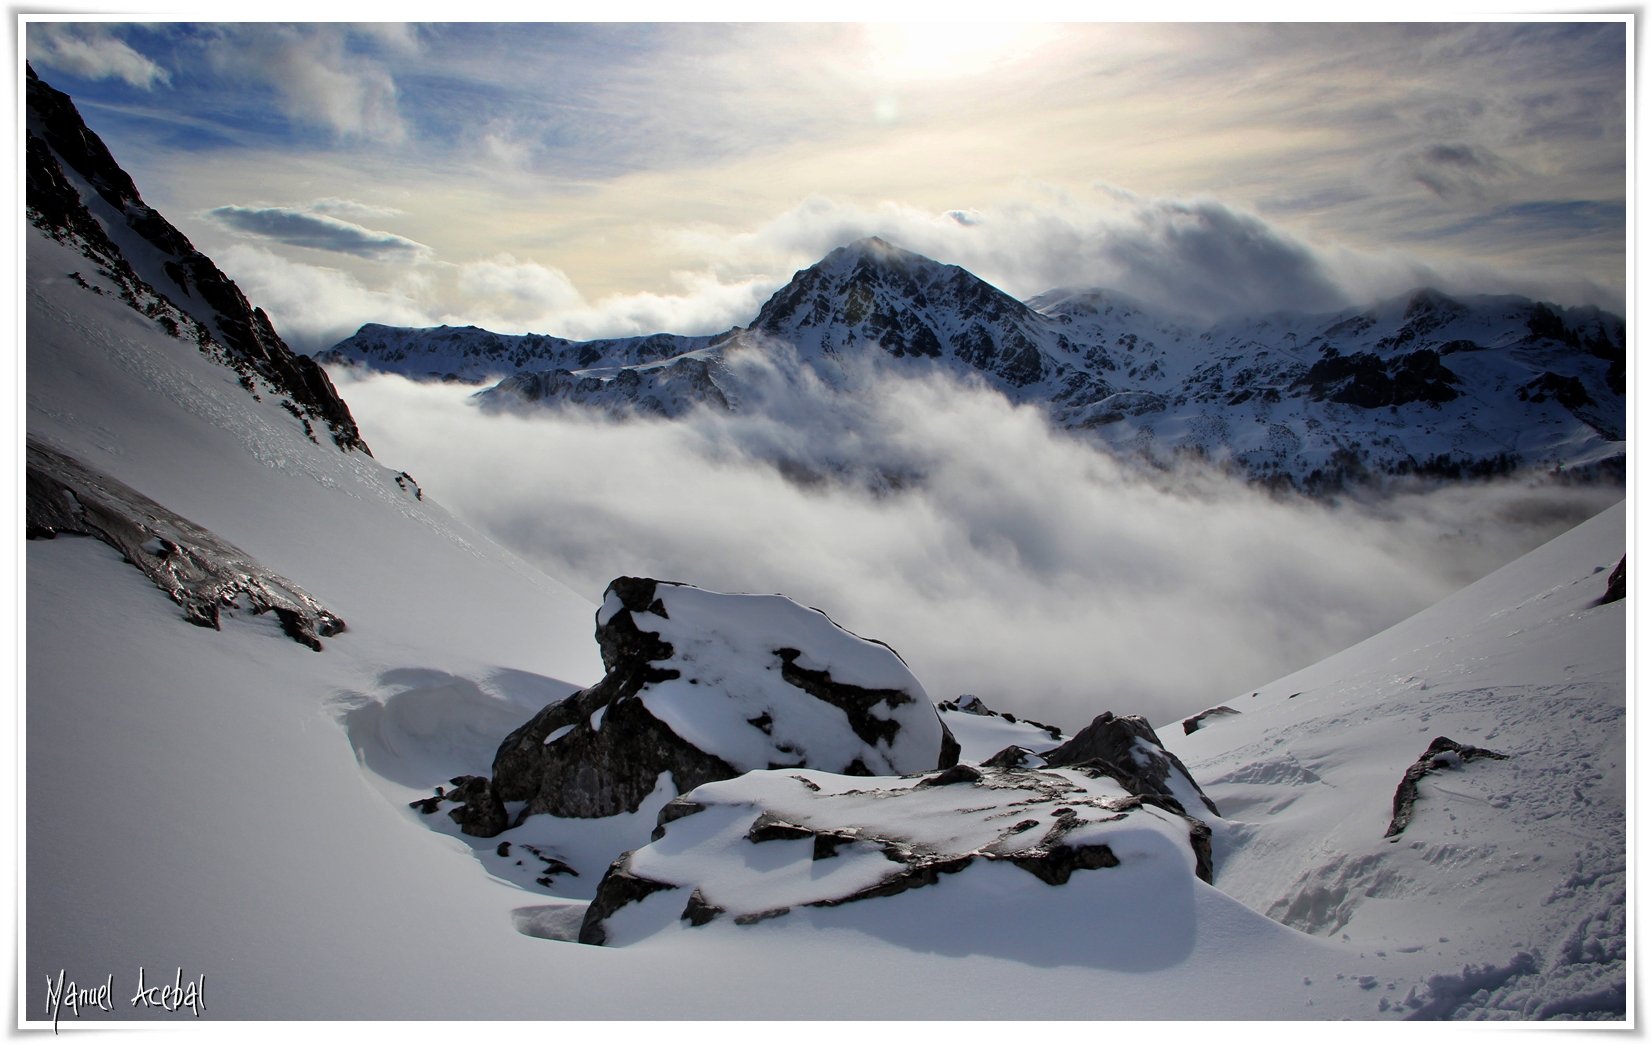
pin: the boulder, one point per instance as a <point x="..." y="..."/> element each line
<point x="707" y="686"/>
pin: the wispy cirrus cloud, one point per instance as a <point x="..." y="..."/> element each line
<point x="313" y="227"/>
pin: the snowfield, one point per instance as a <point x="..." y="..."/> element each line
<point x="237" y="805"/>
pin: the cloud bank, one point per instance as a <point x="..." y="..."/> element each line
<point x="1195" y="259"/>
<point x="998" y="557"/>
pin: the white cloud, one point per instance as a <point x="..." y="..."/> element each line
<point x="91" y="50"/>
<point x="319" y="79"/>
<point x="1199" y="256"/>
<point x="515" y="291"/>
<point x="314" y="307"/>
<point x="309" y="226"/>
<point x="1004" y="560"/>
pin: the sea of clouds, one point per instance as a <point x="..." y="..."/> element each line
<point x="998" y="556"/>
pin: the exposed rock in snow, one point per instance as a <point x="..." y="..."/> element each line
<point x="1442" y="753"/>
<point x="142" y="252"/>
<point x="982" y="732"/>
<point x="203" y="573"/>
<point x="1196" y="722"/>
<point x="706" y="686"/>
<point x="757" y="846"/>
<point x="1616" y="585"/>
<point x="1127" y="749"/>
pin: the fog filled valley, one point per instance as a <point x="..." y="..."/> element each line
<point x="1007" y="560"/>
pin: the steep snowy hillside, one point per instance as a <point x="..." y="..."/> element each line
<point x="1422" y="384"/>
<point x="1504" y="894"/>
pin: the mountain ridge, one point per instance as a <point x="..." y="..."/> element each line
<point x="1419" y="384"/>
<point x="119" y="239"/>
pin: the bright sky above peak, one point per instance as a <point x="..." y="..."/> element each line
<point x="591" y="180"/>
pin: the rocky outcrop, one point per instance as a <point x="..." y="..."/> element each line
<point x="218" y="314"/>
<point x="706" y="686"/>
<point x="1127" y="749"/>
<point x="1196" y="722"/>
<point x="1442" y="753"/>
<point x="892" y="836"/>
<point x="967" y="704"/>
<point x="197" y="569"/>
<point x="1616" y="585"/>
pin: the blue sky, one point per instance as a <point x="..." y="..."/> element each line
<point x="609" y="179"/>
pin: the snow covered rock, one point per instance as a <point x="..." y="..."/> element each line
<point x="706" y="686"/>
<point x="1128" y="750"/>
<point x="752" y="848"/>
<point x="197" y="569"/>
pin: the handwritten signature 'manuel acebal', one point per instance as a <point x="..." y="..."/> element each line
<point x="168" y="996"/>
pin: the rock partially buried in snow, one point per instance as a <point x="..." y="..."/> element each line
<point x="758" y="846"/>
<point x="199" y="570"/>
<point x="1197" y="721"/>
<point x="707" y="686"/>
<point x="1442" y="753"/>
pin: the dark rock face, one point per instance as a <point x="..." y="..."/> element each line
<point x="1196" y="722"/>
<point x="909" y="306"/>
<point x="1127" y="749"/>
<point x="1616" y="585"/>
<point x="619" y="886"/>
<point x="218" y="313"/>
<point x="1364" y="379"/>
<point x="197" y="569"/>
<point x="1442" y="753"/>
<point x="600" y="751"/>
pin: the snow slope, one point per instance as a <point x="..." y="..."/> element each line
<point x="1515" y="867"/>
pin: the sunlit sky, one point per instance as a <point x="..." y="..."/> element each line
<point x="591" y="179"/>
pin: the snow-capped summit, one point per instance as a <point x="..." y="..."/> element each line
<point x="873" y="294"/>
<point x="1424" y="383"/>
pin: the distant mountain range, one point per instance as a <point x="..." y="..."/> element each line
<point x="1424" y="383"/>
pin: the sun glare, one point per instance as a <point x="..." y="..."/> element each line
<point x="928" y="50"/>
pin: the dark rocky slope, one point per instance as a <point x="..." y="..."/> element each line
<point x="160" y="272"/>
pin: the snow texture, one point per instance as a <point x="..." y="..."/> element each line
<point x="753" y="848"/>
<point x="1504" y="897"/>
